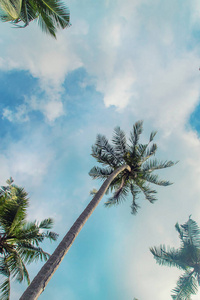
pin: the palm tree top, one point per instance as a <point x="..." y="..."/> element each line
<point x="186" y="258"/>
<point x="138" y="175"/>
<point x="19" y="239"/>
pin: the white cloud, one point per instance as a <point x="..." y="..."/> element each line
<point x="27" y="160"/>
<point x="51" y="109"/>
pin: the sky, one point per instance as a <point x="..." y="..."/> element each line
<point x="119" y="62"/>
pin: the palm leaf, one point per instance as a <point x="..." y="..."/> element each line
<point x="56" y="10"/>
<point x="135" y="133"/>
<point x="119" y="141"/>
<point x="150" y="151"/>
<point x="30" y="253"/>
<point x="134" y="191"/>
<point x="169" y="257"/>
<point x="191" y="233"/>
<point x="102" y="173"/>
<point x="10" y="9"/>
<point x="119" y="196"/>
<point x="186" y="286"/>
<point x="5" y="289"/>
<point x="152" y="178"/>
<point x="153" y="165"/>
<point x="46" y="224"/>
<point x="152" y="135"/>
<point x="148" y="192"/>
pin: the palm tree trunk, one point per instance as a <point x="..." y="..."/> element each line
<point x="41" y="280"/>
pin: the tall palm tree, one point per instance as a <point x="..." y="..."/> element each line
<point x="127" y="168"/>
<point x="50" y="14"/>
<point x="186" y="258"/>
<point x="19" y="239"/>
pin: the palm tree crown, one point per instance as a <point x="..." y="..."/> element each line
<point x="19" y="239"/>
<point x="186" y="258"/>
<point x="50" y="14"/>
<point x="137" y="156"/>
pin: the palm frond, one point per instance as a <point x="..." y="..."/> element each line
<point x="151" y="151"/>
<point x="46" y="24"/>
<point x="135" y="133"/>
<point x="46" y="224"/>
<point x="119" y="141"/>
<point x="191" y="233"/>
<point x="186" y="285"/>
<point x="102" y="173"/>
<point x="180" y="231"/>
<point x="104" y="152"/>
<point x="148" y="192"/>
<point x="13" y="210"/>
<point x="52" y="236"/>
<point x="10" y="9"/>
<point x="119" y="196"/>
<point x="152" y="135"/>
<point x="134" y="191"/>
<point x="30" y="253"/>
<point x="5" y="289"/>
<point x="15" y="265"/>
<point x="153" y="178"/>
<point x="134" y="207"/>
<point x="152" y="165"/>
<point x="29" y="12"/>
<point x="3" y="267"/>
<point x="168" y="257"/>
<point x="52" y="14"/>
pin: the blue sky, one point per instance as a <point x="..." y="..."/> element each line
<point x="119" y="62"/>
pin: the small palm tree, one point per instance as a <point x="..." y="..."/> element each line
<point x="19" y="239"/>
<point x="127" y="167"/>
<point x="51" y="14"/>
<point x="186" y="258"/>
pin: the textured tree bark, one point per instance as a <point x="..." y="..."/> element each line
<point x="41" y="280"/>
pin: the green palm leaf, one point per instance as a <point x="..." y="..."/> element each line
<point x="119" y="142"/>
<point x="152" y="178"/>
<point x="153" y="165"/>
<point x="51" y="14"/>
<point x="135" y="133"/>
<point x="148" y="192"/>
<point x="168" y="257"/>
<point x="5" y="289"/>
<point x="10" y="9"/>
<point x="186" y="286"/>
<point x="119" y="196"/>
<point x="30" y="253"/>
<point x="102" y="173"/>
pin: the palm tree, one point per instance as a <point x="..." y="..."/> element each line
<point x="127" y="168"/>
<point x="50" y="14"/>
<point x="186" y="258"/>
<point x="19" y="239"/>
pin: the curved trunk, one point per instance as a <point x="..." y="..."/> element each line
<point x="41" y="280"/>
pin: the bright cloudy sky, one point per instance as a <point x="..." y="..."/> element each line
<point x="119" y="62"/>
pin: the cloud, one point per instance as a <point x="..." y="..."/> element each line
<point x="51" y="109"/>
<point x="22" y="160"/>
